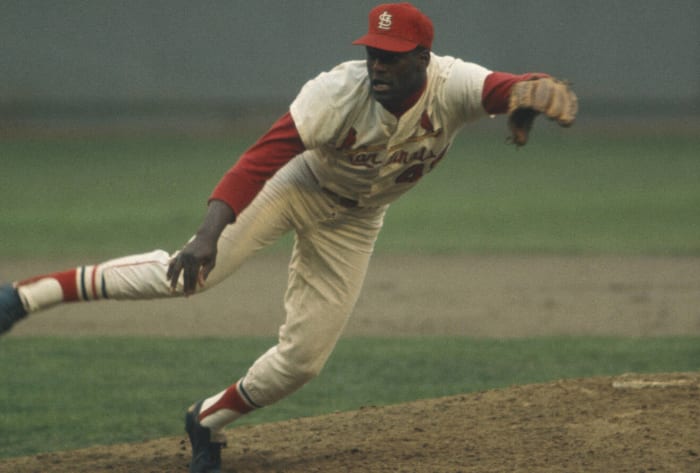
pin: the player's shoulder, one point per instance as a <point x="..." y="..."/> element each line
<point x="446" y="66"/>
<point x="325" y="101"/>
<point x="343" y="75"/>
<point x="457" y="86"/>
<point x="353" y="69"/>
<point x="347" y="80"/>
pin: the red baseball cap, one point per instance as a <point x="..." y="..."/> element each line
<point x="397" y="27"/>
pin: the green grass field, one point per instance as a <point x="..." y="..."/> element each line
<point x="59" y="393"/>
<point x="576" y="192"/>
<point x="105" y="197"/>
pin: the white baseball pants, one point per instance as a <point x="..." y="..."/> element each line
<point x="332" y="249"/>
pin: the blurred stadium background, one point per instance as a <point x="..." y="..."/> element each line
<point x="167" y="65"/>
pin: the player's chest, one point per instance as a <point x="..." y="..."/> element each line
<point x="373" y="142"/>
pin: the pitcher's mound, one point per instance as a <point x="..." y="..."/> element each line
<point x="630" y="423"/>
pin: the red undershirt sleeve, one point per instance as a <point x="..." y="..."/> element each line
<point x="496" y="92"/>
<point x="239" y="186"/>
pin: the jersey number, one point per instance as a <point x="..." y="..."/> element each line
<point x="411" y="174"/>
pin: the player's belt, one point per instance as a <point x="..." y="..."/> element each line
<point x="340" y="200"/>
<point x="337" y="198"/>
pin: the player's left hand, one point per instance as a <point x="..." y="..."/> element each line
<point x="546" y="95"/>
<point x="195" y="261"/>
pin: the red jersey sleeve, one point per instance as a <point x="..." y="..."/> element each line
<point x="497" y="85"/>
<point x="239" y="186"/>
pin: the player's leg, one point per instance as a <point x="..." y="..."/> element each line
<point x="133" y="277"/>
<point x="290" y="199"/>
<point x="326" y="274"/>
<point x="143" y="276"/>
<point x="136" y="277"/>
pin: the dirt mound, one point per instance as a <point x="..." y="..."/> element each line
<point x="630" y="423"/>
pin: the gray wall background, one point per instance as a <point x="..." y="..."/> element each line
<point x="115" y="56"/>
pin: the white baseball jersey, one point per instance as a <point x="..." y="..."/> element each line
<point x="350" y="145"/>
<point x="358" y="149"/>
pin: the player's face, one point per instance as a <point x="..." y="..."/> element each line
<point x="396" y="76"/>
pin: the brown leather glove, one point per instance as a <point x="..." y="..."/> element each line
<point x="545" y="95"/>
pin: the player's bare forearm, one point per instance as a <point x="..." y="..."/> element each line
<point x="218" y="215"/>
<point x="198" y="257"/>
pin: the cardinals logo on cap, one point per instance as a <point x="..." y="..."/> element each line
<point x="397" y="27"/>
<point x="384" y="21"/>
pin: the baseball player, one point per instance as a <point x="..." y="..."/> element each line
<point x="354" y="139"/>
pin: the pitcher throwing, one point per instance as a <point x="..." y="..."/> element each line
<point x="354" y="139"/>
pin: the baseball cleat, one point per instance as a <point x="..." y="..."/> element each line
<point x="11" y="308"/>
<point x="206" y="453"/>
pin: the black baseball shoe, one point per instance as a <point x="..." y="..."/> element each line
<point x="206" y="453"/>
<point x="11" y="308"/>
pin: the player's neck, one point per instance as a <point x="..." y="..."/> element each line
<point x="402" y="107"/>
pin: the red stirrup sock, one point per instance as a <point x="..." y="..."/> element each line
<point x="225" y="407"/>
<point x="80" y="284"/>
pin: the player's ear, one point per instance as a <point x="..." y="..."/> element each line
<point x="423" y="55"/>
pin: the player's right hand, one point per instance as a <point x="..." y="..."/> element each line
<point x="198" y="257"/>
<point x="195" y="261"/>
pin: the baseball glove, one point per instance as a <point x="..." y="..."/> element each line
<point x="545" y="95"/>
